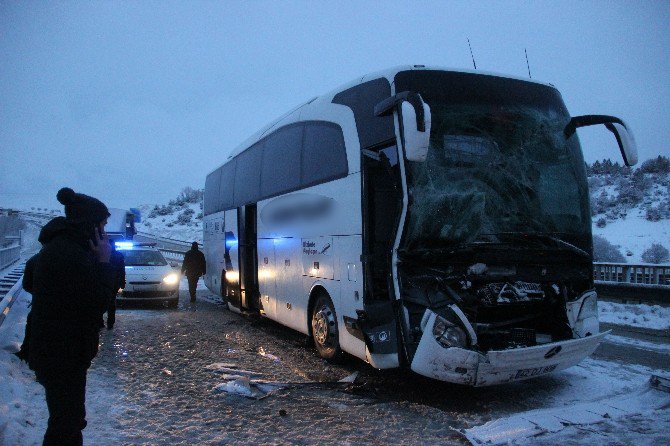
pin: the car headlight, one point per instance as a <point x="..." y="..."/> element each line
<point x="448" y="334"/>
<point x="589" y="308"/>
<point x="171" y="279"/>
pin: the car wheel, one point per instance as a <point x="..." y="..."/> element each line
<point x="325" y="332"/>
<point x="173" y="303"/>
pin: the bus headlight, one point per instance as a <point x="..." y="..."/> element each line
<point x="171" y="279"/>
<point x="448" y="334"/>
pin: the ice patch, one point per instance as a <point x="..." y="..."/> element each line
<point x="523" y="427"/>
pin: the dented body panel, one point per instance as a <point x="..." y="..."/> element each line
<point x="462" y="366"/>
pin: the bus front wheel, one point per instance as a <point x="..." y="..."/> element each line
<point x="324" y="328"/>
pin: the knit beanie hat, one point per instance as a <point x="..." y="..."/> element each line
<point x="82" y="208"/>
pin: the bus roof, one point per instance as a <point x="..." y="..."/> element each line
<point x="389" y="73"/>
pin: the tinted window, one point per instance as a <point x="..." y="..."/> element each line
<point x="248" y="175"/>
<point x="323" y="157"/>
<point x="212" y="192"/>
<point x="227" y="184"/>
<point x="361" y="99"/>
<point x="281" y="161"/>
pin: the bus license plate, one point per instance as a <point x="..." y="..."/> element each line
<point x="526" y="373"/>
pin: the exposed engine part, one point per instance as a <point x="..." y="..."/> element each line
<point x="478" y="269"/>
<point x="505" y="292"/>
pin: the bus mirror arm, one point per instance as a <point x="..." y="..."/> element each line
<point x="414" y="116"/>
<point x="387" y="106"/>
<point x="622" y="133"/>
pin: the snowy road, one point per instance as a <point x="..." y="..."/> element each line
<point x="153" y="383"/>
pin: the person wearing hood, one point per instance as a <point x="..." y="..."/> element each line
<point x="194" y="266"/>
<point x="72" y="285"/>
<point x="117" y="262"/>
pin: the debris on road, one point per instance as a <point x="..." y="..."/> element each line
<point x="263" y="353"/>
<point x="660" y="383"/>
<point x="225" y="367"/>
<point x="349" y="379"/>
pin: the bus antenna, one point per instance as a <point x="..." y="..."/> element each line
<point x="473" y="56"/>
<point x="527" y="64"/>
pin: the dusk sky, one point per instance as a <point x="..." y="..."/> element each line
<point x="132" y="101"/>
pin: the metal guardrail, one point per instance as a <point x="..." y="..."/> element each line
<point x="170" y="254"/>
<point x="163" y="242"/>
<point x="9" y="299"/>
<point x="9" y="255"/>
<point x="173" y="249"/>
<point x="638" y="275"/>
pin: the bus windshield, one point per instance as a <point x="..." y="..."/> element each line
<point x="498" y="164"/>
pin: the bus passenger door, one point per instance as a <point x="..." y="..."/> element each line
<point x="248" y="260"/>
<point x="230" y="271"/>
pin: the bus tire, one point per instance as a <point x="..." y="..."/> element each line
<point x="325" y="333"/>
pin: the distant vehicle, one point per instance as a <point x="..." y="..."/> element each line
<point x="149" y="277"/>
<point x="121" y="224"/>
<point x="427" y="218"/>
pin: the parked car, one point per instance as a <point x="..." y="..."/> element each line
<point x="149" y="277"/>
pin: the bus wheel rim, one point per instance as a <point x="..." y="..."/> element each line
<point x="323" y="321"/>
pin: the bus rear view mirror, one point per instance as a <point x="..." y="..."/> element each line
<point x="415" y="115"/>
<point x="416" y="140"/>
<point x="624" y="137"/>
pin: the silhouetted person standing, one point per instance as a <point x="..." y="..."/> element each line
<point x="194" y="266"/>
<point x="117" y="262"/>
<point x="73" y="283"/>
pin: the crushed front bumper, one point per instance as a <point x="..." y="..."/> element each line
<point x="469" y="367"/>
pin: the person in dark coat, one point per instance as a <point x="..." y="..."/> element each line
<point x="194" y="266"/>
<point x="73" y="283"/>
<point x="117" y="262"/>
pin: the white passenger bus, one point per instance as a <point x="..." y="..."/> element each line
<point x="423" y="218"/>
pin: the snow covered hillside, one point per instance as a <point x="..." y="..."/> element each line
<point x="180" y="219"/>
<point x="631" y="207"/>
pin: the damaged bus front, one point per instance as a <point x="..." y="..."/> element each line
<point x="491" y="258"/>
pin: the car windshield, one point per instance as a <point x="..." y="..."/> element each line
<point x="498" y="163"/>
<point x="143" y="258"/>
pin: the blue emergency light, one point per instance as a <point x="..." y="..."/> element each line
<point x="124" y="245"/>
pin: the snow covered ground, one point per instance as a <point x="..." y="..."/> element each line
<point x="653" y="317"/>
<point x="202" y="375"/>
<point x="183" y="377"/>
<point x="614" y="406"/>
